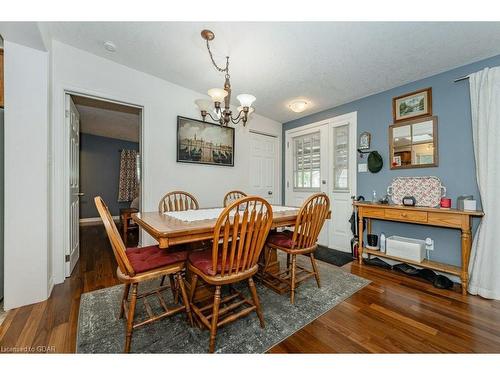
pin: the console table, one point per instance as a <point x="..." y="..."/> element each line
<point x="437" y="217"/>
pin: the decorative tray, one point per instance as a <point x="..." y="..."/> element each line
<point x="427" y="191"/>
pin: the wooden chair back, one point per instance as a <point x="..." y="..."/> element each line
<point x="240" y="233"/>
<point x="232" y="196"/>
<point x="177" y="201"/>
<point x="114" y="238"/>
<point x="310" y="220"/>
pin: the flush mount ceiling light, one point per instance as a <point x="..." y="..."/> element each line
<point x="223" y="95"/>
<point x="110" y="46"/>
<point x="298" y="105"/>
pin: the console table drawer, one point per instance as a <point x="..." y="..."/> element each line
<point x="374" y="212"/>
<point x="406" y="215"/>
<point x="446" y="219"/>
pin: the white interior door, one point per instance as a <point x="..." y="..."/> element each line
<point x="321" y="157"/>
<point x="73" y="123"/>
<point x="263" y="162"/>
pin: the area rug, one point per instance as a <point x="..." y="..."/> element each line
<point x="335" y="257"/>
<point x="100" y="330"/>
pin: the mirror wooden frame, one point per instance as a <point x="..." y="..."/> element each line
<point x="434" y="142"/>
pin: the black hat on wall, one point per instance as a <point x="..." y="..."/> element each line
<point x="375" y="162"/>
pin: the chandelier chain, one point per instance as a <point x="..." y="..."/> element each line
<point x="226" y="69"/>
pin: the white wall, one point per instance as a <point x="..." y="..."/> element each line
<point x="79" y="71"/>
<point x="26" y="175"/>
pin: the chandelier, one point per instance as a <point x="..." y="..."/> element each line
<point x="221" y="97"/>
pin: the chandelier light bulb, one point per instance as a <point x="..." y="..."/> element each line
<point x="250" y="109"/>
<point x="217" y="94"/>
<point x="203" y="104"/>
<point x="246" y="100"/>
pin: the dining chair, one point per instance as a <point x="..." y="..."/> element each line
<point x="136" y="265"/>
<point x="239" y="236"/>
<point x="126" y="221"/>
<point x="180" y="201"/>
<point x="302" y="241"/>
<point x="177" y="201"/>
<point x="232" y="196"/>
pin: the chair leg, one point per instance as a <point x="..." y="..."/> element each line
<point x="255" y="298"/>
<point x="194" y="281"/>
<point x="215" y="318"/>
<point x="292" y="281"/>
<point x="173" y="288"/>
<point x="130" y="318"/>
<point x="124" y="299"/>
<point x="162" y="280"/>
<point x="288" y="263"/>
<point x="315" y="269"/>
<point x="125" y="230"/>
<point x="185" y="299"/>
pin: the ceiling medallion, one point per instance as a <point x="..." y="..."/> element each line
<point x="223" y="116"/>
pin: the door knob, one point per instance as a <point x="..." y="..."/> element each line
<point x="269" y="192"/>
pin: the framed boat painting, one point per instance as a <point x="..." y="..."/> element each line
<point x="413" y="105"/>
<point x="200" y="142"/>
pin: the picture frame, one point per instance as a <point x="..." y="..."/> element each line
<point x="413" y="105"/>
<point x="364" y="141"/>
<point x="201" y="142"/>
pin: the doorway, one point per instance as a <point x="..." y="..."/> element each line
<point x="321" y="157"/>
<point x="104" y="160"/>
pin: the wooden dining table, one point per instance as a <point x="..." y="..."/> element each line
<point x="170" y="231"/>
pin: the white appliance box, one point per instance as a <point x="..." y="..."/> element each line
<point x="406" y="248"/>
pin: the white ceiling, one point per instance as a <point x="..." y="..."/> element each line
<point x="328" y="63"/>
<point x="108" y="119"/>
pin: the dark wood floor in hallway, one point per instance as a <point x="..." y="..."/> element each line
<point x="393" y="314"/>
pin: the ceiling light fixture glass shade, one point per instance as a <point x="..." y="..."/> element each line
<point x="204" y="104"/>
<point x="298" y="106"/>
<point x="246" y="100"/>
<point x="217" y="95"/>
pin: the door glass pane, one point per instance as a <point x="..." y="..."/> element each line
<point x="306" y="154"/>
<point x="341" y="157"/>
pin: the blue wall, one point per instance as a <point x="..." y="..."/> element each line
<point x="100" y="172"/>
<point x="451" y="105"/>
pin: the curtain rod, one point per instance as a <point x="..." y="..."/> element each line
<point x="461" y="79"/>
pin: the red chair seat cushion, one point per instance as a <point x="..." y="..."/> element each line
<point x="203" y="261"/>
<point x="147" y="258"/>
<point x="281" y="239"/>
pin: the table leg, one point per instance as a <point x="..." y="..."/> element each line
<point x="369" y="226"/>
<point x="466" y="247"/>
<point x="360" y="239"/>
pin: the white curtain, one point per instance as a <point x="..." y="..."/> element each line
<point x="484" y="267"/>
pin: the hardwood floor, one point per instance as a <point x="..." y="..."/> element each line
<point x="393" y="314"/>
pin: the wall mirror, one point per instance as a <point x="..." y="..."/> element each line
<point x="413" y="144"/>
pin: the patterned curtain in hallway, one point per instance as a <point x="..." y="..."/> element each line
<point x="128" y="186"/>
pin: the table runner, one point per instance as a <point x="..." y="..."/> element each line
<point x="212" y="213"/>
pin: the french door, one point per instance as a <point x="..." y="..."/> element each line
<point x="321" y="157"/>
